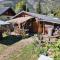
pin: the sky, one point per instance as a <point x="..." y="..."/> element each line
<point x="1" y="0"/>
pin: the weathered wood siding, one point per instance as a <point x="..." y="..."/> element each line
<point x="36" y="25"/>
<point x="48" y="27"/>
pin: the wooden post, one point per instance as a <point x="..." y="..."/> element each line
<point x="43" y="28"/>
<point x="23" y="30"/>
<point x="39" y="34"/>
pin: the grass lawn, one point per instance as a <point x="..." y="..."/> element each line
<point x="2" y="47"/>
<point x="32" y="52"/>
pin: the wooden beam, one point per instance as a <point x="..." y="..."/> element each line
<point x="43" y="28"/>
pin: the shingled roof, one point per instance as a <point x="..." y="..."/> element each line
<point x="41" y="17"/>
<point x="19" y="20"/>
<point x="4" y="9"/>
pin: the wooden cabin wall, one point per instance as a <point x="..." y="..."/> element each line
<point x="38" y="25"/>
<point x="48" y="28"/>
<point x="29" y="25"/>
<point x="34" y="26"/>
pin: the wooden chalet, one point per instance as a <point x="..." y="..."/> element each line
<point x="39" y="23"/>
<point x="6" y="13"/>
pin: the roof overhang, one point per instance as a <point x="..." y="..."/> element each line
<point x="19" y="20"/>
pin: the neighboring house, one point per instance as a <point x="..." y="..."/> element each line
<point x="6" y="13"/>
<point x="39" y="23"/>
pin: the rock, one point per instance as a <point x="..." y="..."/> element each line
<point x="43" y="57"/>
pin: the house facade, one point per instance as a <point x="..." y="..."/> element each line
<point x="6" y="13"/>
<point x="39" y="23"/>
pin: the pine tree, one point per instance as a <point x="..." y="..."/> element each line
<point x="21" y="5"/>
<point x="38" y="9"/>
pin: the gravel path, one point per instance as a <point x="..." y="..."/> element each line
<point x="15" y="47"/>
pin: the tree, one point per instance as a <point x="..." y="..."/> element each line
<point x="48" y="6"/>
<point x="21" y="5"/>
<point x="38" y="9"/>
<point x="57" y="12"/>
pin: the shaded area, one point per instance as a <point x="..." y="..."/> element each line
<point x="9" y="40"/>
